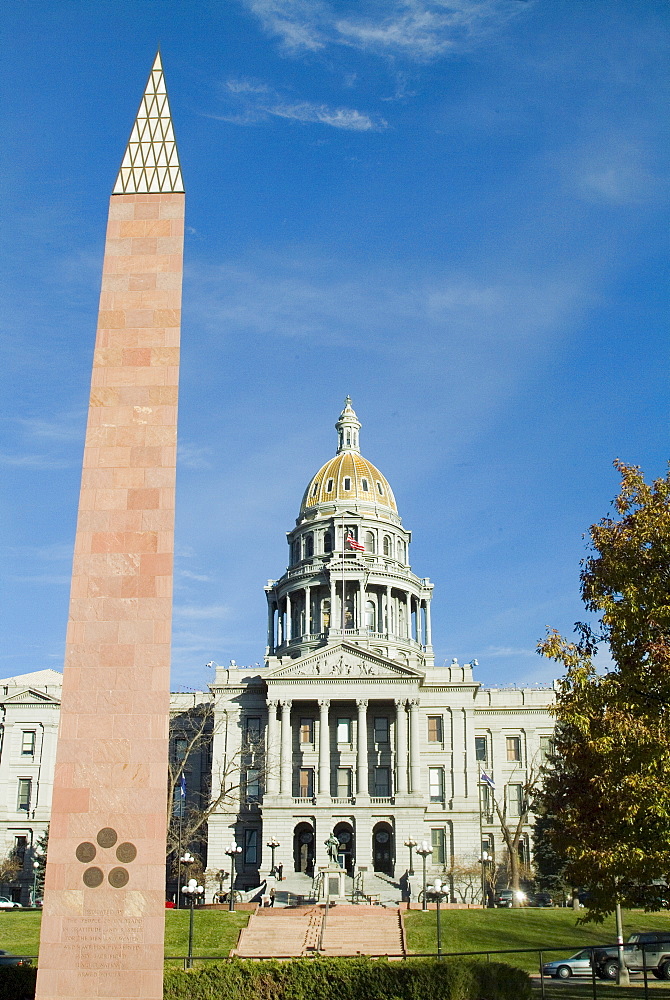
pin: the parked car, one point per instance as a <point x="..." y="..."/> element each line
<point x="541" y="899"/>
<point x="577" y="965"/>
<point x="650" y="950"/>
<point x="8" y="904"/>
<point x="6" y="958"/>
<point x="506" y="897"/>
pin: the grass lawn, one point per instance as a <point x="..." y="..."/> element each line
<point x="215" y="932"/>
<point x="493" y="930"/>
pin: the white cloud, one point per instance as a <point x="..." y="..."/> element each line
<point x="35" y="461"/>
<point x="200" y="577"/>
<point x="202" y="611"/>
<point x="258" y="102"/>
<point x="420" y="30"/>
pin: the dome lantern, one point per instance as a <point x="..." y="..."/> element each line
<point x="347" y="428"/>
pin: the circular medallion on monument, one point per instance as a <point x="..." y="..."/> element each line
<point x="85" y="852"/>
<point x="382" y="837"/>
<point x="93" y="877"/>
<point x="118" y="877"/>
<point x="126" y="852"/>
<point x="305" y="838"/>
<point x="107" y="837"/>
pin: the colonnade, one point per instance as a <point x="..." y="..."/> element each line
<point x="380" y="610"/>
<point x="279" y="755"/>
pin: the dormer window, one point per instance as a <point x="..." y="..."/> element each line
<point x="315" y="489"/>
<point x="364" y="484"/>
<point x="329" y="486"/>
<point x="379" y="489"/>
<point x="347" y="483"/>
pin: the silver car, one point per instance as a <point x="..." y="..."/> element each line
<point x="576" y="965"/>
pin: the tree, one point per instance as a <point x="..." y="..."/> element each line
<point x="610" y="776"/>
<point x="512" y="829"/>
<point x="10" y="866"/>
<point x="465" y="876"/>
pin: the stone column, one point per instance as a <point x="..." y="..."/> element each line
<point x="333" y="623"/>
<point x="324" y="748"/>
<point x="408" y="615"/>
<point x="289" y="623"/>
<point x="429" y="632"/>
<point x="414" y="747"/>
<point x="401" y="746"/>
<point x="271" y="754"/>
<point x="308" y="610"/>
<point x="362" y="777"/>
<point x="389" y="628"/>
<point x="286" y="777"/>
<point x="419" y="623"/>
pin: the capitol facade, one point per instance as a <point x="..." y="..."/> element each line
<point x="348" y="728"/>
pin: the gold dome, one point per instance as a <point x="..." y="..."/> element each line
<point x="349" y="477"/>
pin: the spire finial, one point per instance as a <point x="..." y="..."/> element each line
<point x="347" y="428"/>
<point x="151" y="162"/>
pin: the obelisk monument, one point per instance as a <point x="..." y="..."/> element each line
<point x="103" y="920"/>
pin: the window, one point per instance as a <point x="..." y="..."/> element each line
<point x="307" y="730"/>
<point x="401" y="552"/>
<point x="309" y="545"/>
<point x="546" y="748"/>
<point x="371" y="616"/>
<point x="327" y="542"/>
<point x="251" y="847"/>
<point x="364" y="484"/>
<point x="325" y="614"/>
<point x="315" y="489"/>
<point x="370" y="542"/>
<point x="487" y="844"/>
<point x="344" y="730"/>
<point x="347" y="483"/>
<point x="382" y="782"/>
<point x="25" y="792"/>
<point x="344" y="782"/>
<point x="487" y="800"/>
<point x="387" y="545"/>
<point x="180" y="748"/>
<point x="481" y="748"/>
<point x="436" y="784"/>
<point x="435" y="733"/>
<point x="515" y="801"/>
<point x="379" y="489"/>
<point x="28" y="743"/>
<point x="438" y="841"/>
<point x="253" y="784"/>
<point x="306" y="776"/>
<point x="20" y="848"/>
<point x="513" y="744"/>
<point x="381" y="729"/>
<point x="329" y="486"/>
<point x="253" y="730"/>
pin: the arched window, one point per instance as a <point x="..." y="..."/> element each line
<point x="325" y="614"/>
<point x="387" y="545"/>
<point x="296" y="550"/>
<point x="347" y="483"/>
<point x="364" y="484"/>
<point x="371" y="616"/>
<point x="309" y="545"/>
<point x="370" y="542"/>
<point x="348" y="438"/>
<point x="327" y="542"/>
<point x="401" y="552"/>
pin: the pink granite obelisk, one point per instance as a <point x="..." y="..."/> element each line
<point x="103" y="920"/>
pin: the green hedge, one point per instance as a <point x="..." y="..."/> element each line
<point x="17" y="982"/>
<point x="348" y="979"/>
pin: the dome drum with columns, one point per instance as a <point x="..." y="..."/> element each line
<point x="349" y="575"/>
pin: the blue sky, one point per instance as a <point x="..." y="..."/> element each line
<point x="454" y="210"/>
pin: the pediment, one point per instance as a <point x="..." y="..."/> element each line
<point x="343" y="662"/>
<point x="28" y="696"/>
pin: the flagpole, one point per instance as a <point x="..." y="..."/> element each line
<point x="181" y="811"/>
<point x="481" y="835"/>
<point x="343" y="582"/>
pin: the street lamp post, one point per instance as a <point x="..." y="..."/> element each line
<point x="423" y="852"/>
<point x="439" y="890"/>
<point x="185" y="859"/>
<point x="273" y="844"/>
<point x="37" y="864"/>
<point x="193" y="892"/>
<point x="411" y="844"/>
<point x="485" y="859"/>
<point x="232" y="851"/>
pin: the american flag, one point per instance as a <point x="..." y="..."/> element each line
<point x="353" y="543"/>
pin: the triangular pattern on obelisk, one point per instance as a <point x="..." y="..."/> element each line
<point x="151" y="163"/>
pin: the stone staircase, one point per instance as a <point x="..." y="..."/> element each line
<point x="345" y="930"/>
<point x="280" y="933"/>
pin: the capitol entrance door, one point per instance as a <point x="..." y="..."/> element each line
<point x="303" y="848"/>
<point x="383" y="848"/>
<point x="346" y="854"/>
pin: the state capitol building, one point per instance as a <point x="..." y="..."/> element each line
<point x="348" y="727"/>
